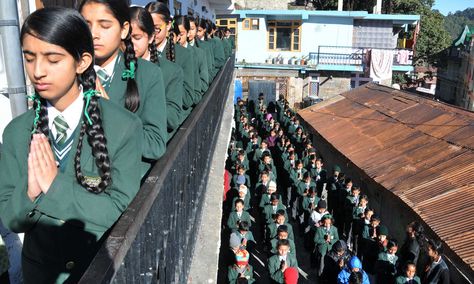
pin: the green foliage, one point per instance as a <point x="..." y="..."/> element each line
<point x="399" y="78"/>
<point x="455" y="23"/>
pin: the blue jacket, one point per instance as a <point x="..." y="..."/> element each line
<point x="343" y="277"/>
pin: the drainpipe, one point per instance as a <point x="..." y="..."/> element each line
<point x="10" y="37"/>
<point x="340" y="5"/>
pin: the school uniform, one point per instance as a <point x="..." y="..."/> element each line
<point x="265" y="200"/>
<point x="296" y="175"/>
<point x="274" y="266"/>
<point x="321" y="245"/>
<point x="309" y="203"/>
<point x="219" y="55"/>
<point x="227" y="47"/>
<point x="234" y="272"/>
<point x="274" y="243"/>
<point x="302" y="186"/>
<point x="152" y="110"/>
<point x="438" y="273"/>
<point x="235" y="219"/>
<point x="270" y="210"/>
<point x="202" y="76"/>
<point x="272" y="231"/>
<point x="184" y="58"/>
<point x="62" y="227"/>
<point x="207" y="47"/>
<point x="385" y="268"/>
<point x="246" y="201"/>
<point x="247" y="181"/>
<point x="405" y="280"/>
<point x="173" y="78"/>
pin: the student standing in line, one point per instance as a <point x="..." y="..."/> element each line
<point x="193" y="41"/>
<point x="70" y="165"/>
<point x="124" y="79"/>
<point x="143" y="38"/>
<point x="437" y="272"/>
<point x="219" y="56"/>
<point x="174" y="52"/>
<point x="204" y="41"/>
<point x="181" y="29"/>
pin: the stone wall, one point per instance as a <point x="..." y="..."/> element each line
<point x="340" y="83"/>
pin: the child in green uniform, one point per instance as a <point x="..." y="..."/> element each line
<point x="124" y="79"/>
<point x="243" y="193"/>
<point x="193" y="41"/>
<point x="386" y="264"/>
<point x="282" y="234"/>
<point x="278" y="263"/>
<point x="143" y="38"/>
<point x="409" y="275"/>
<point x="182" y="27"/>
<point x="280" y="218"/>
<point x="238" y="216"/>
<point x="325" y="237"/>
<point x="174" y="52"/>
<point x="202" y="39"/>
<point x="67" y="184"/>
<point x="241" y="268"/>
<point x="247" y="241"/>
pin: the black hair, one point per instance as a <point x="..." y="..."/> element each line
<point x="244" y="226"/>
<point x="181" y="20"/>
<point x="280" y="212"/>
<point x="119" y="9"/>
<point x="408" y="263"/>
<point x="274" y="196"/>
<point x="283" y="243"/>
<point x="241" y="280"/>
<point x="392" y="243"/>
<point x="202" y="23"/>
<point x="238" y="200"/>
<point x="162" y="9"/>
<point x="145" y="23"/>
<point x="375" y="217"/>
<point x="282" y="228"/>
<point x="66" y="28"/>
<point x="436" y="246"/>
<point x="356" y="277"/>
<point x="196" y="42"/>
<point x="419" y="233"/>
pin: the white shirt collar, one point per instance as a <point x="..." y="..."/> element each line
<point x="72" y="114"/>
<point x="162" y="46"/>
<point x="192" y="43"/>
<point x="109" y="68"/>
<point x="186" y="45"/>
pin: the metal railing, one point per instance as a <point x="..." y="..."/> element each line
<point x="154" y="239"/>
<point x="356" y="56"/>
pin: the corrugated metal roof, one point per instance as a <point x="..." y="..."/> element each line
<point x="421" y="150"/>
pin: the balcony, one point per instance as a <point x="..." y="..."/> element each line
<point x="346" y="58"/>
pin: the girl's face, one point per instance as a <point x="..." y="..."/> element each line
<point x="393" y="250"/>
<point x="411" y="270"/>
<point x="161" y="28"/>
<point x="183" y="35"/>
<point x="140" y="40"/>
<point x="192" y="31"/>
<point x="106" y="31"/>
<point x="53" y="71"/>
<point x="239" y="207"/>
<point x="201" y="32"/>
<point x="280" y="219"/>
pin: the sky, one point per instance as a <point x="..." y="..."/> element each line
<point x="446" y="6"/>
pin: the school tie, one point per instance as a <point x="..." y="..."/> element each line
<point x="61" y="128"/>
<point x="104" y="78"/>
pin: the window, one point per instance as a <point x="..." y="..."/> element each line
<point x="177" y="7"/>
<point x="250" y="24"/>
<point x="284" y="35"/>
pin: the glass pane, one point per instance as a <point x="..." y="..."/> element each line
<point x="223" y="22"/>
<point x="271" y="24"/>
<point x="283" y="38"/>
<point x="232" y="22"/>
<point x="284" y="24"/>
<point x="271" y="45"/>
<point x="232" y="31"/>
<point x="296" y="32"/>
<point x="296" y="23"/>
<point x="296" y="46"/>
<point x="246" y="24"/>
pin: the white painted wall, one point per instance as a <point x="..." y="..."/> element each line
<point x="335" y="31"/>
<point x="185" y="4"/>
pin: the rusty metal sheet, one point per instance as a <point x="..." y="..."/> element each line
<point x="421" y="150"/>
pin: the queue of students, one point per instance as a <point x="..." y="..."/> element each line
<point x="112" y="86"/>
<point x="280" y="182"/>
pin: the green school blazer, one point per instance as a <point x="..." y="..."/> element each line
<point x="274" y="265"/>
<point x="173" y="77"/>
<point x="63" y="226"/>
<point x="219" y="55"/>
<point x="184" y="58"/>
<point x="152" y="110"/>
<point x="227" y="47"/>
<point x="204" y="45"/>
<point x="203" y="78"/>
<point x="321" y="245"/>
<point x="233" y="274"/>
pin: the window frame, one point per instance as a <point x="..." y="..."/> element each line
<point x="272" y="27"/>
<point x="250" y="24"/>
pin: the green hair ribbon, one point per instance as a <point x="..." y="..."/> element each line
<point x="129" y="73"/>
<point x="35" y="98"/>
<point x="88" y="95"/>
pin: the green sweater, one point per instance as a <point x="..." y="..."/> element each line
<point x="274" y="265"/>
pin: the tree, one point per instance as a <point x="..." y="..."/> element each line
<point x="433" y="37"/>
<point x="455" y="23"/>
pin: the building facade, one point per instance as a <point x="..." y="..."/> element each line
<point x="336" y="50"/>
<point x="455" y="80"/>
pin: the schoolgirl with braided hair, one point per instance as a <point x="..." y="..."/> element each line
<point x="181" y="30"/>
<point x="194" y="41"/>
<point x="69" y="165"/>
<point x="122" y="77"/>
<point x="204" y="42"/>
<point x="165" y="40"/>
<point x="143" y="38"/>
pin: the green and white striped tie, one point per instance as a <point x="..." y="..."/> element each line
<point x="61" y="128"/>
<point x="104" y="78"/>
